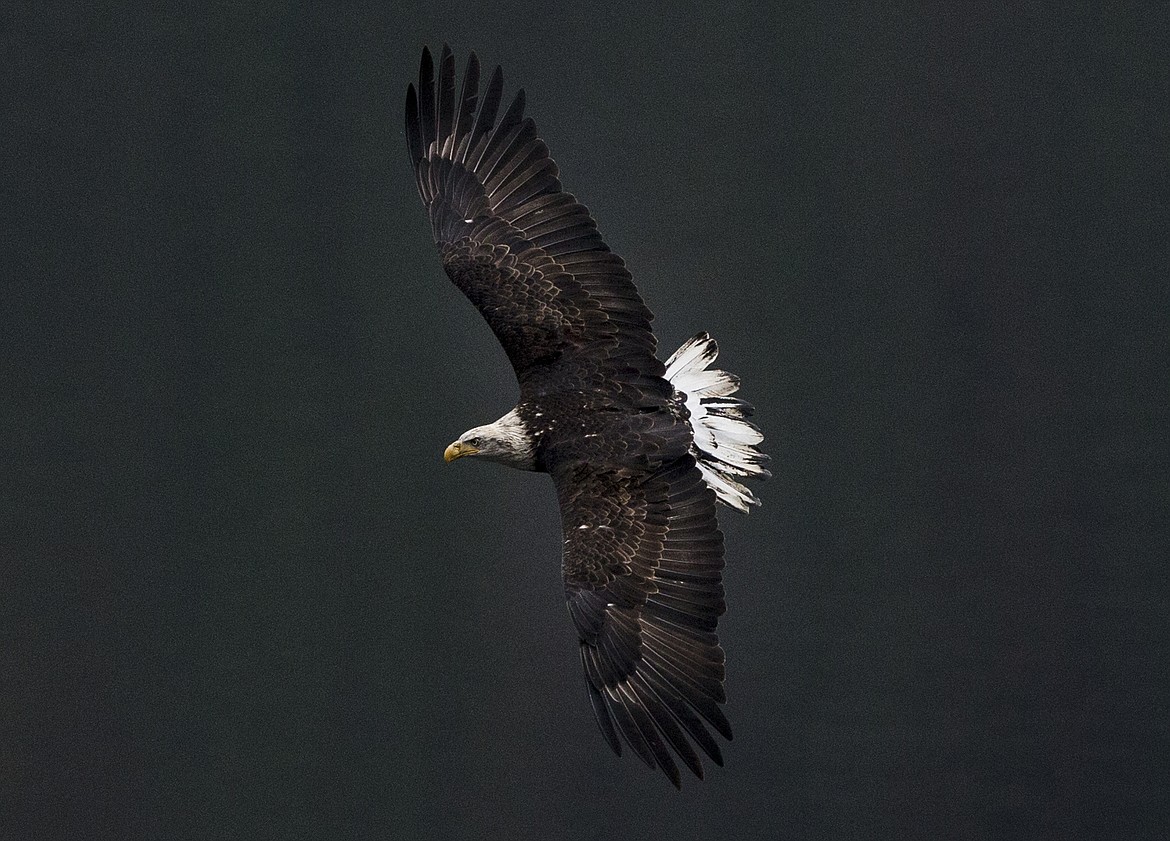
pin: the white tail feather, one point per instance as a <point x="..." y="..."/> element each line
<point x="724" y="443"/>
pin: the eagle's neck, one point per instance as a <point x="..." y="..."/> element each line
<point x="512" y="443"/>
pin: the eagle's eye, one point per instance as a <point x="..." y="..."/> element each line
<point x="475" y="441"/>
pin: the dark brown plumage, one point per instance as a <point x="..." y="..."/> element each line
<point x="643" y="553"/>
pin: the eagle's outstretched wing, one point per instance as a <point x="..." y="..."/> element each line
<point x="527" y="254"/>
<point x="643" y="560"/>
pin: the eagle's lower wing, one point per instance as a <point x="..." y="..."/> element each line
<point x="642" y="564"/>
<point x="527" y="254"/>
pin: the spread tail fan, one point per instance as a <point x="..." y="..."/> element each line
<point x="726" y="444"/>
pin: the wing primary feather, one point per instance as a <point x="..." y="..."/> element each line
<point x="509" y="154"/>
<point x="703" y="704"/>
<point x="628" y="726"/>
<point x="414" y="143"/>
<point x="660" y="711"/>
<point x="513" y="161"/>
<point x="636" y="705"/>
<point x="467" y="98"/>
<point x="512" y="118"/>
<point x="686" y="716"/>
<point x="489" y="106"/>
<point x="597" y="702"/>
<point x="675" y="673"/>
<point x="446" y="95"/>
<point x="426" y="93"/>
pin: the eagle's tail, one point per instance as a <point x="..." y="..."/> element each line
<point x="726" y="445"/>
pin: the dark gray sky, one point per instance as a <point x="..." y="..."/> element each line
<point x="244" y="597"/>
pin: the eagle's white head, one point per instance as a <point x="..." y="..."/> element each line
<point x="506" y="441"/>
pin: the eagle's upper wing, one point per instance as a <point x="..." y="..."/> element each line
<point x="527" y="254"/>
<point x="642" y="564"/>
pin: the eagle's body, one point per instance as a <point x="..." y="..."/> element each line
<point x="572" y="426"/>
<point x="638" y="450"/>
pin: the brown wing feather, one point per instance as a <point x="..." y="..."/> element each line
<point x="642" y="565"/>
<point x="527" y="254"/>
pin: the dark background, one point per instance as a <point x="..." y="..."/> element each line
<point x="241" y="596"/>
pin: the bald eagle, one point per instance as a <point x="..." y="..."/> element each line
<point x="639" y="451"/>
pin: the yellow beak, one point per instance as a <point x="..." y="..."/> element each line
<point x="458" y="450"/>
